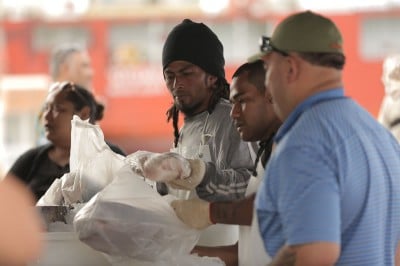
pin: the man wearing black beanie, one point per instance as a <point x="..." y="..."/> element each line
<point x="210" y="160"/>
<point x="195" y="43"/>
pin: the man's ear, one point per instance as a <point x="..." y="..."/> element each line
<point x="293" y="69"/>
<point x="84" y="114"/>
<point x="268" y="96"/>
<point x="212" y="79"/>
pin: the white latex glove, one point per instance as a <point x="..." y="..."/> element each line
<point x="137" y="159"/>
<point x="194" y="213"/>
<point x="198" y="170"/>
<point x="166" y="167"/>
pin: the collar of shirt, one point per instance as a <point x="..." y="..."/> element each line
<point x="309" y="102"/>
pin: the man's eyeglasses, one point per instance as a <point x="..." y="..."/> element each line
<point x="266" y="46"/>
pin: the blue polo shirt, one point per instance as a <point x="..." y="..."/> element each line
<point x="335" y="177"/>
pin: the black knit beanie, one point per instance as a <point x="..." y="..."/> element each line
<point x="197" y="44"/>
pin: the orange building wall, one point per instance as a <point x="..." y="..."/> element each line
<point x="362" y="79"/>
<point x="140" y="122"/>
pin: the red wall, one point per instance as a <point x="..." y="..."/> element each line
<point x="362" y="79"/>
<point x="140" y="122"/>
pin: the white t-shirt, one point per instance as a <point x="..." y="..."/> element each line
<point x="251" y="247"/>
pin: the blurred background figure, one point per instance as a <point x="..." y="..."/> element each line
<point x="71" y="62"/>
<point x="389" y="113"/>
<point x="68" y="62"/>
<point x="20" y="224"/>
<point x="40" y="166"/>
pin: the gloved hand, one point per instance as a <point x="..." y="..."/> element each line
<point x="137" y="159"/>
<point x="175" y="170"/>
<point x="198" y="168"/>
<point x="194" y="213"/>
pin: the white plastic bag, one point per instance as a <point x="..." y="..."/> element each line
<point x="178" y="260"/>
<point x="92" y="166"/>
<point x="137" y="159"/>
<point x="131" y="222"/>
<point x="91" y="159"/>
<point x="53" y="195"/>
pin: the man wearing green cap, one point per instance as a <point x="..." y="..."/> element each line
<point x="331" y="192"/>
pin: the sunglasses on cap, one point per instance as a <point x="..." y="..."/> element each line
<point x="266" y="46"/>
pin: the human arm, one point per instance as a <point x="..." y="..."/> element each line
<point x="199" y="214"/>
<point x="20" y="225"/>
<point x="189" y="174"/>
<point x="308" y="213"/>
<point x="227" y="159"/>
<point x="229" y="171"/>
<point x="238" y="212"/>
<point x="284" y="257"/>
<point x="314" y="254"/>
<point x="229" y="254"/>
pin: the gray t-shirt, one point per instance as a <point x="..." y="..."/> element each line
<point x="228" y="172"/>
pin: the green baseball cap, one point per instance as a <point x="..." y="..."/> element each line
<point x="302" y="32"/>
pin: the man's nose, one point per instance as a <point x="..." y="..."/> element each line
<point x="235" y="110"/>
<point x="46" y="113"/>
<point x="174" y="83"/>
<point x="177" y="83"/>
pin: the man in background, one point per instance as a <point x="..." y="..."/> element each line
<point x="389" y="113"/>
<point x="68" y="62"/>
<point x="71" y="62"/>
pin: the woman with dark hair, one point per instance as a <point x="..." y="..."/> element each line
<point x="40" y="166"/>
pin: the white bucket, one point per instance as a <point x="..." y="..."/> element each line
<point x="64" y="248"/>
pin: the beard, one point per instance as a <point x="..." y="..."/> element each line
<point x="188" y="110"/>
<point x="190" y="106"/>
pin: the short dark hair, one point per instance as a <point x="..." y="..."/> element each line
<point x="256" y="73"/>
<point x="81" y="97"/>
<point x="335" y="60"/>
